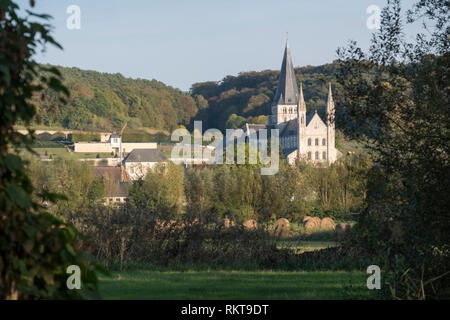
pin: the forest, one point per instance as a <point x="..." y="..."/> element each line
<point x="102" y="101"/>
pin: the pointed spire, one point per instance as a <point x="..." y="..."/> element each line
<point x="330" y="105"/>
<point x="301" y="100"/>
<point x="287" y="90"/>
<point x="330" y="94"/>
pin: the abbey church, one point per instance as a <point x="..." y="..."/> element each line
<point x="302" y="136"/>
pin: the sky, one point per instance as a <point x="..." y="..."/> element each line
<point x="183" y="42"/>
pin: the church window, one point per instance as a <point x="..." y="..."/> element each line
<point x="317" y="141"/>
<point x="309" y="141"/>
<point x="324" y="155"/>
<point x="309" y="155"/>
<point x="317" y="155"/>
<point x="303" y="120"/>
<point x="324" y="142"/>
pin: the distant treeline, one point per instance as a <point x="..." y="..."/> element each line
<point x="103" y="102"/>
<point x="249" y="95"/>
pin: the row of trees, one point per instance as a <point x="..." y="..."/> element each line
<point x="238" y="192"/>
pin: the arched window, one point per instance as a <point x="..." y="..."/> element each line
<point x="324" y="141"/>
<point x="303" y="120"/>
<point x="309" y="155"/>
<point x="317" y="155"/>
<point x="317" y="141"/>
<point x="324" y="155"/>
<point x="309" y="141"/>
<point x="284" y="110"/>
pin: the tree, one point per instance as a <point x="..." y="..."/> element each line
<point x="402" y="113"/>
<point x="35" y="247"/>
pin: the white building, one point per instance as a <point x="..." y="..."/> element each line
<point x="139" y="161"/>
<point x="112" y="144"/>
<point x="302" y="136"/>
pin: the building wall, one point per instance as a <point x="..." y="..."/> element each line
<point x="138" y="170"/>
<point x="92" y="147"/>
<point x="106" y="147"/>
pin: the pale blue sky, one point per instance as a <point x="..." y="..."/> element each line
<point x="182" y="42"/>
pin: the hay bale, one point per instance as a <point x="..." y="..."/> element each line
<point x="250" y="224"/>
<point x="327" y="223"/>
<point x="305" y="218"/>
<point x="313" y="223"/>
<point x="282" y="227"/>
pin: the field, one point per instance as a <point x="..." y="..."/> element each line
<point x="141" y="282"/>
<point x="149" y="284"/>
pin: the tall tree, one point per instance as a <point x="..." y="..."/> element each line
<point x="403" y="114"/>
<point x="35" y="247"/>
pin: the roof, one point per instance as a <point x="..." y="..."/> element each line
<point x="118" y="190"/>
<point x="145" y="155"/>
<point x="287" y="90"/>
<point x="292" y="125"/>
<point x="115" y="135"/>
<point x="112" y="172"/>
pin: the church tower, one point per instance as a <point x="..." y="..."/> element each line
<point x="284" y="106"/>
<point x="301" y="123"/>
<point x="331" y="150"/>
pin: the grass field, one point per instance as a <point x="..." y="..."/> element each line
<point x="148" y="284"/>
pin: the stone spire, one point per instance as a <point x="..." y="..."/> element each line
<point x="301" y="124"/>
<point x="330" y="106"/>
<point x="331" y="148"/>
<point x="287" y="92"/>
<point x="301" y="100"/>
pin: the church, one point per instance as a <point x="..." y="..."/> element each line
<point x="302" y="136"/>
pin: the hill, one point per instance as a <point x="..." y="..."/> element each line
<point x="248" y="96"/>
<point x="102" y="101"/>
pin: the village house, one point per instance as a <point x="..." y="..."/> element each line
<point x="139" y="161"/>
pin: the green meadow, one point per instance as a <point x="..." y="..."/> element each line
<point x="149" y="284"/>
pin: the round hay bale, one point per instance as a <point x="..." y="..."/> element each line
<point x="327" y="223"/>
<point x="313" y="223"/>
<point x="281" y="227"/>
<point x="250" y="224"/>
<point x="305" y="218"/>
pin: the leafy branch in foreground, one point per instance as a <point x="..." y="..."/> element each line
<point x="35" y="247"/>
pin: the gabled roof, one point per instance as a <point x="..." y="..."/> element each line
<point x="112" y="172"/>
<point x="311" y="117"/>
<point x="145" y="155"/>
<point x="287" y="90"/>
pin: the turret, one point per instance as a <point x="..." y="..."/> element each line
<point x="331" y="150"/>
<point x="301" y="120"/>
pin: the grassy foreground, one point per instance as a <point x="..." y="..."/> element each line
<point x="147" y="284"/>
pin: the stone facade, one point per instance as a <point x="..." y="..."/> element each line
<point x="302" y="136"/>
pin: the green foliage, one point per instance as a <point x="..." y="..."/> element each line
<point x="102" y="102"/>
<point x="161" y="192"/>
<point x="85" y="137"/>
<point x="249" y="95"/>
<point x="35" y="247"/>
<point x="235" y="122"/>
<point x="402" y="114"/>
